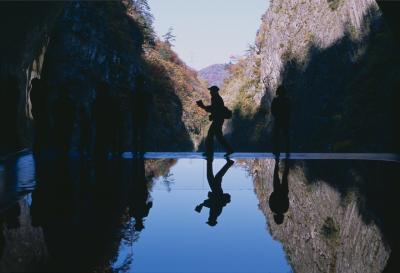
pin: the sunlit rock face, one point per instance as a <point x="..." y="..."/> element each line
<point x="322" y="231"/>
<point x="327" y="56"/>
<point x="290" y="28"/>
<point x="337" y="61"/>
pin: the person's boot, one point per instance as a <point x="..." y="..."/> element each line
<point x="208" y="154"/>
<point x="230" y="161"/>
<point x="228" y="153"/>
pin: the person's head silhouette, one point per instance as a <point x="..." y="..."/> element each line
<point x="213" y="90"/>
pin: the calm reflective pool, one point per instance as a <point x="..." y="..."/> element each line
<point x="193" y="215"/>
<point x="179" y="238"/>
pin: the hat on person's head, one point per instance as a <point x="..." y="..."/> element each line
<point x="214" y="88"/>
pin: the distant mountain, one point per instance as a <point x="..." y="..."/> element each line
<point x="215" y="74"/>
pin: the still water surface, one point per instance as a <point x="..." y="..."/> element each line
<point x="179" y="238"/>
<point x="190" y="215"/>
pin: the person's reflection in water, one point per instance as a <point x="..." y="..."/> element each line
<point x="217" y="199"/>
<point x="279" y="199"/>
<point x="140" y="203"/>
<point x="281" y="111"/>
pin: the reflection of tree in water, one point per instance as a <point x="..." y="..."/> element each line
<point x="153" y="170"/>
<point x="129" y="237"/>
<point x="168" y="180"/>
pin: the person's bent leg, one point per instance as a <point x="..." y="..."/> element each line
<point x="222" y="139"/>
<point x="210" y="139"/>
<point x="275" y="140"/>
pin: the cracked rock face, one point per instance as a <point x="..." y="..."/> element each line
<point x="337" y="61"/>
<point x="289" y="28"/>
<point x="322" y="230"/>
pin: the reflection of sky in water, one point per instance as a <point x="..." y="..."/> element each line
<point x="25" y="173"/>
<point x="16" y="177"/>
<point x="177" y="239"/>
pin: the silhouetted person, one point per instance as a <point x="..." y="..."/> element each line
<point x="140" y="105"/>
<point x="281" y="111"/>
<point x="102" y="120"/>
<point x="38" y="98"/>
<point x="85" y="131"/>
<point x="217" y="199"/>
<point x="218" y="115"/>
<point x="140" y="203"/>
<point x="279" y="200"/>
<point x="64" y="117"/>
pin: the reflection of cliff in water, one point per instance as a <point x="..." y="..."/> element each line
<point x="78" y="215"/>
<point x="325" y="228"/>
<point x="22" y="246"/>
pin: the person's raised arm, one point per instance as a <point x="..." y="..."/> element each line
<point x="202" y="106"/>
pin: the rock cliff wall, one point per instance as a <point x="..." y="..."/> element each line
<point x="25" y="28"/>
<point x="76" y="45"/>
<point x="337" y="60"/>
<point x="323" y="231"/>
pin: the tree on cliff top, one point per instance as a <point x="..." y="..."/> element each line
<point x="146" y="19"/>
<point x="169" y="37"/>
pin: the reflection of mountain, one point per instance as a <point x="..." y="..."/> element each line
<point x="322" y="231"/>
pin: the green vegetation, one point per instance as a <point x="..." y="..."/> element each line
<point x="249" y="121"/>
<point x="334" y="4"/>
<point x="169" y="37"/>
<point x="174" y="88"/>
<point x="330" y="230"/>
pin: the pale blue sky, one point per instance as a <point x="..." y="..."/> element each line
<point x="209" y="31"/>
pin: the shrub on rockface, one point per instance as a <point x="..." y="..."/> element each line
<point x="113" y="42"/>
<point x="168" y="76"/>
